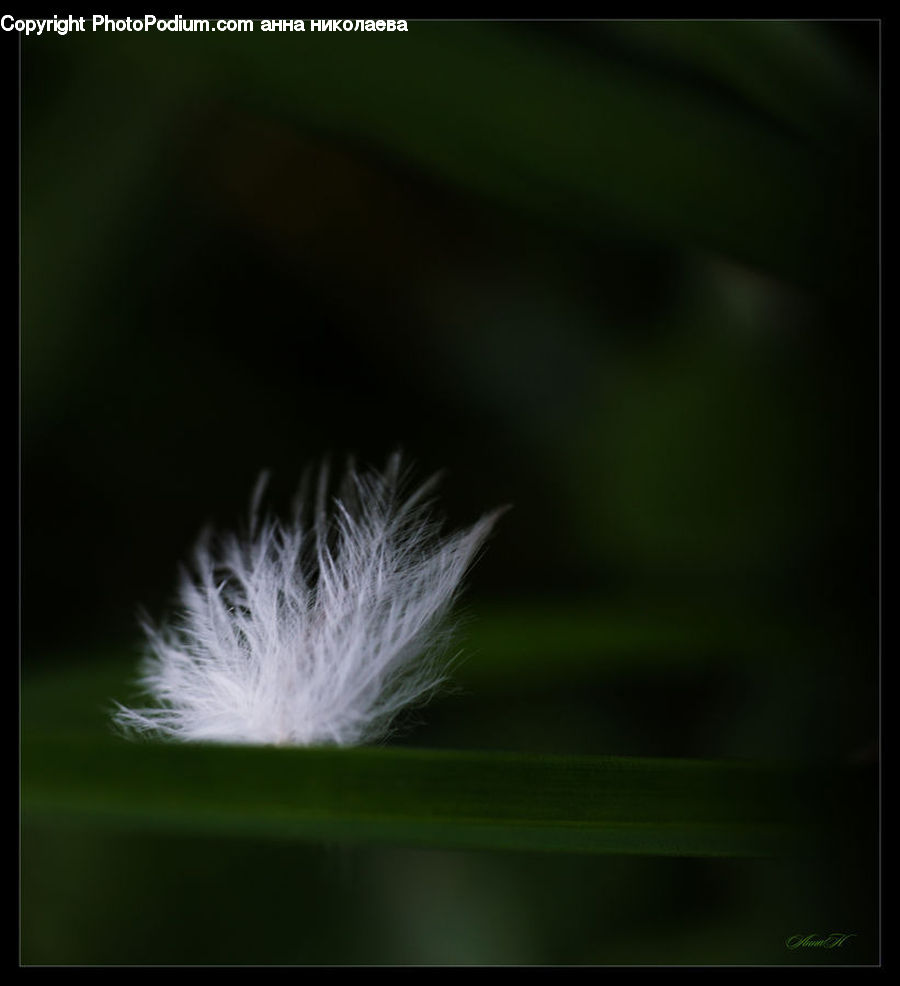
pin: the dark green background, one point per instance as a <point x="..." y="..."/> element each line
<point x="619" y="275"/>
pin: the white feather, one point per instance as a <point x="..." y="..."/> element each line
<point x="309" y="632"/>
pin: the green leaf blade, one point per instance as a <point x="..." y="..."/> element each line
<point x="424" y="797"/>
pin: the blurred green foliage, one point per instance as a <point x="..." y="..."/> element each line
<point x="621" y="275"/>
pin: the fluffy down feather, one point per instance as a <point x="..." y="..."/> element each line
<point x="317" y="631"/>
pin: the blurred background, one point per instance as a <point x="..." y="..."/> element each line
<point x="619" y="275"/>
